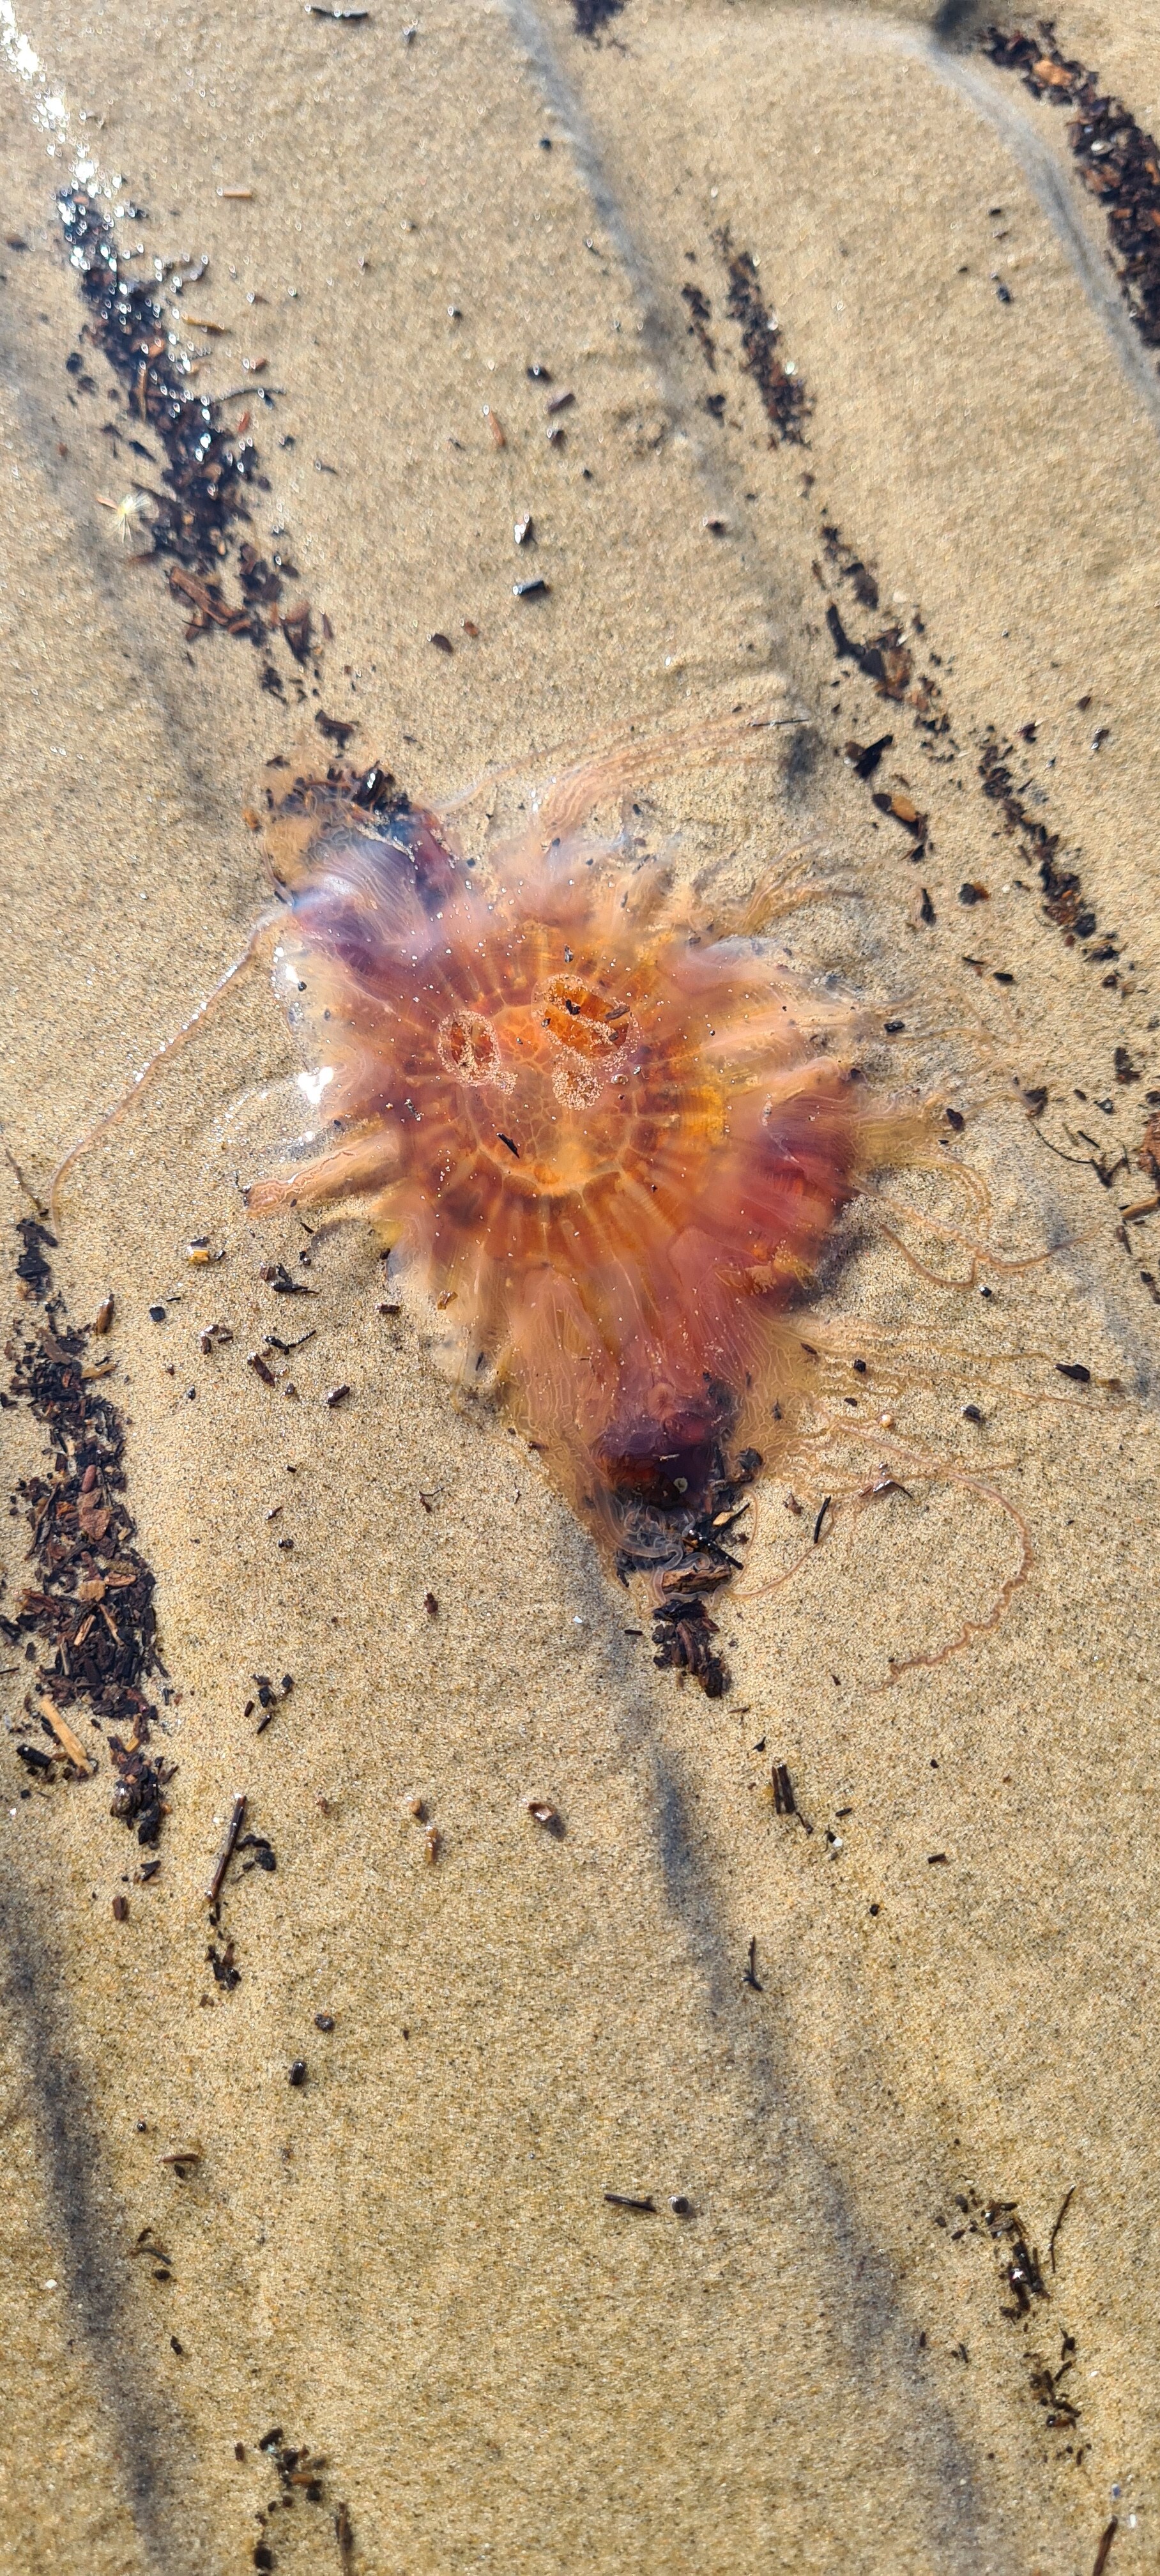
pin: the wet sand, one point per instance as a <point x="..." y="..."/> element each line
<point x="407" y="2262"/>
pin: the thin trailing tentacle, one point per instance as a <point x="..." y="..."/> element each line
<point x="925" y="1470"/>
<point x="358" y="1167"/>
<point x="630" y="761"/>
<point x="981" y="1255"/>
<point x="972" y="1629"/>
<point x="621" y="760"/>
<point x="159" y="1063"/>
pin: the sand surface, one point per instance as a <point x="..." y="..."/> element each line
<point x="408" y="2263"/>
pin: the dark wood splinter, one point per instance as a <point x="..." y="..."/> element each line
<point x="225" y="1854"/>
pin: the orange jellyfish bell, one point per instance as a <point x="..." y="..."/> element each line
<point x="608" y="1138"/>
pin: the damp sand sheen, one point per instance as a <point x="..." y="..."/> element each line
<point x="608" y="2023"/>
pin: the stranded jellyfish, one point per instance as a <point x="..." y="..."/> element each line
<point x="607" y="1134"/>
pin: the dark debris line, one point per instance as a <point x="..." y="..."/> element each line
<point x="86" y="1620"/>
<point x="200" y="494"/>
<point x="1065" y="902"/>
<point x="888" y="661"/>
<point x="783" y="395"/>
<point x="1118" y="161"/>
<point x="884" y="655"/>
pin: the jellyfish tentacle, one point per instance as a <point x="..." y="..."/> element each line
<point x="773" y="899"/>
<point x="972" y="1629"/>
<point x="982" y="1256"/>
<point x="352" y="1169"/>
<point x="159" y="1062"/>
<point x="631" y="760"/>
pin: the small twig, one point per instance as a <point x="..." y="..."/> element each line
<point x="751" y="1977"/>
<point x="229" y="1838"/>
<point x="821" y="1516"/>
<point x="26" y="1186"/>
<point x="70" y="1743"/>
<point x="1104" y="2551"/>
<point x="1066" y="2205"/>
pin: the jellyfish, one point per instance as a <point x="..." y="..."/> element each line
<point x="605" y="1132"/>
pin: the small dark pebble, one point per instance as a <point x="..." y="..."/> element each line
<point x="157" y="1314"/>
<point x="681" y="2208"/>
<point x="1074" y="1369"/>
<point x="337" y="1395"/>
<point x="430" y="1605"/>
<point x="442" y="643"/>
<point x="297" y="2073"/>
<point x="971" y="1413"/>
<point x="971" y="893"/>
<point x="120" y="1909"/>
<point x="174" y="2345"/>
<point x="536" y="589"/>
<point x="324" y="2021"/>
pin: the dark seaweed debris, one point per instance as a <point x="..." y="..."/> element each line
<point x="591" y="15"/>
<point x="1065" y="902"/>
<point x="682" y="1635"/>
<point x="1119" y="162"/>
<point x="300" y="2474"/>
<point x="86" y="1620"/>
<point x="207" y="470"/>
<point x="210" y="467"/>
<point x="700" y="315"/>
<point x="684" y="1550"/>
<point x="885" y="659"/>
<point x="1029" y="2293"/>
<point x="888" y="661"/>
<point x="784" y="398"/>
